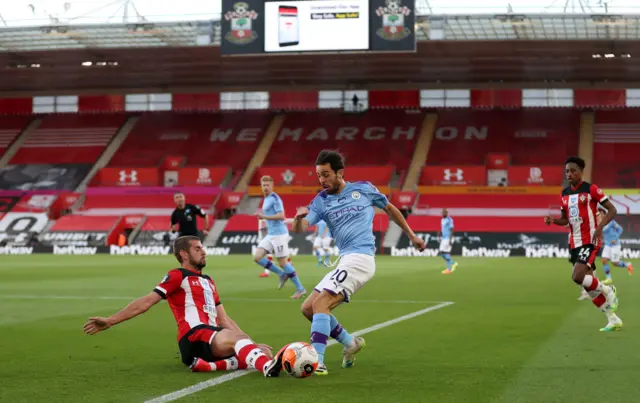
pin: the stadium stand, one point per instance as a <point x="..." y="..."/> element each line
<point x="616" y="149"/>
<point x="82" y="138"/>
<point x="10" y="128"/>
<point x="371" y="138"/>
<point x="530" y="137"/>
<point x="202" y="139"/>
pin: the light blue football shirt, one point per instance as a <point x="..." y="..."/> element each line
<point x="447" y="227"/>
<point x="321" y="226"/>
<point x="349" y="216"/>
<point x="272" y="205"/>
<point x="612" y="232"/>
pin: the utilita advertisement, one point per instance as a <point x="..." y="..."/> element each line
<point x="307" y="26"/>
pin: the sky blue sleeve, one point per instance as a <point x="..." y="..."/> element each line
<point x="316" y="212"/>
<point x="619" y="228"/>
<point x="277" y="205"/>
<point x="373" y="194"/>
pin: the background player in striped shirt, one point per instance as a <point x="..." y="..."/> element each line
<point x="207" y="337"/>
<point x="612" y="250"/>
<point x="579" y="208"/>
<point x="322" y="243"/>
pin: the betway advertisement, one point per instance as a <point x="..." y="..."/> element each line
<point x="241" y="236"/>
<point x="503" y="245"/>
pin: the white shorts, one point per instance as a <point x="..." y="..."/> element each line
<point x="278" y="245"/>
<point x="352" y="273"/>
<point x="445" y="246"/>
<point x="324" y="243"/>
<point x="612" y="253"/>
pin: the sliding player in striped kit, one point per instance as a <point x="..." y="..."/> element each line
<point x="208" y="338"/>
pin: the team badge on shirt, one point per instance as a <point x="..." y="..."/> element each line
<point x="355" y="195"/>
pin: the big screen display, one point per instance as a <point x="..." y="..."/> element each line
<point x="309" y="26"/>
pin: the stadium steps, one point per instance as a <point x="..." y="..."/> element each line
<point x="261" y="153"/>
<point x="216" y="231"/>
<point x="109" y="152"/>
<point x="585" y="147"/>
<point x="392" y="237"/>
<point x="420" y="153"/>
<point x="19" y="141"/>
<point x="249" y="205"/>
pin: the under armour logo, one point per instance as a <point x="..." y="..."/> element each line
<point x="458" y="174"/>
<point x="132" y="177"/>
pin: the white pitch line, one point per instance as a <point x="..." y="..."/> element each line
<point x="285" y="300"/>
<point x="189" y="390"/>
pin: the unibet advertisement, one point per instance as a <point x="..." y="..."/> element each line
<point x="308" y="26"/>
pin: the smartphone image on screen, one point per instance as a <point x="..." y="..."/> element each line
<point x="289" y="29"/>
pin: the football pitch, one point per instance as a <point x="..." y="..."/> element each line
<point x="496" y="331"/>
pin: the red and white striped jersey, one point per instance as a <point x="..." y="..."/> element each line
<point x="192" y="297"/>
<point x="580" y="203"/>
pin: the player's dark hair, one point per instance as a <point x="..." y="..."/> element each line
<point x="183" y="244"/>
<point x="576" y="160"/>
<point x="331" y="157"/>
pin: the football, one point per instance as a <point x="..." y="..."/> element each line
<point x="300" y="359"/>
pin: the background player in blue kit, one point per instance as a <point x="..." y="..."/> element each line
<point x="277" y="240"/>
<point x="447" y="241"/>
<point x="348" y="210"/>
<point x="322" y="243"/>
<point x="612" y="250"/>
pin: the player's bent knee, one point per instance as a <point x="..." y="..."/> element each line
<point x="323" y="303"/>
<point x="307" y="310"/>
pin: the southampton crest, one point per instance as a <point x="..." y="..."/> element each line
<point x="240" y="18"/>
<point x="393" y="14"/>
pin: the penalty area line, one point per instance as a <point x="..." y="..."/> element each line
<point x="189" y="390"/>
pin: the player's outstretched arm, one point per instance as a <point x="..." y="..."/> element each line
<point x="396" y="216"/>
<point x="141" y="305"/>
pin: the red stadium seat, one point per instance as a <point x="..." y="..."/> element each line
<point x="69" y="139"/>
<point x="10" y="128"/>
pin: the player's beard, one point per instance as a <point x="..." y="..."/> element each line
<point x="199" y="265"/>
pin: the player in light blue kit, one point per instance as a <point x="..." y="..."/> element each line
<point x="447" y="241"/>
<point x="612" y="250"/>
<point x="322" y="243"/>
<point x="348" y="210"/>
<point x="277" y="240"/>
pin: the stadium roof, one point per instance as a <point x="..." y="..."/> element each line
<point x="432" y="27"/>
<point x="435" y="64"/>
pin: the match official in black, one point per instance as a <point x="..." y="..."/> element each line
<point x="184" y="220"/>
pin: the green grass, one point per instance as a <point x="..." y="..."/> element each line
<point x="516" y="333"/>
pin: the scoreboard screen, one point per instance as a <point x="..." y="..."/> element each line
<point x="310" y="26"/>
<point x="252" y="27"/>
